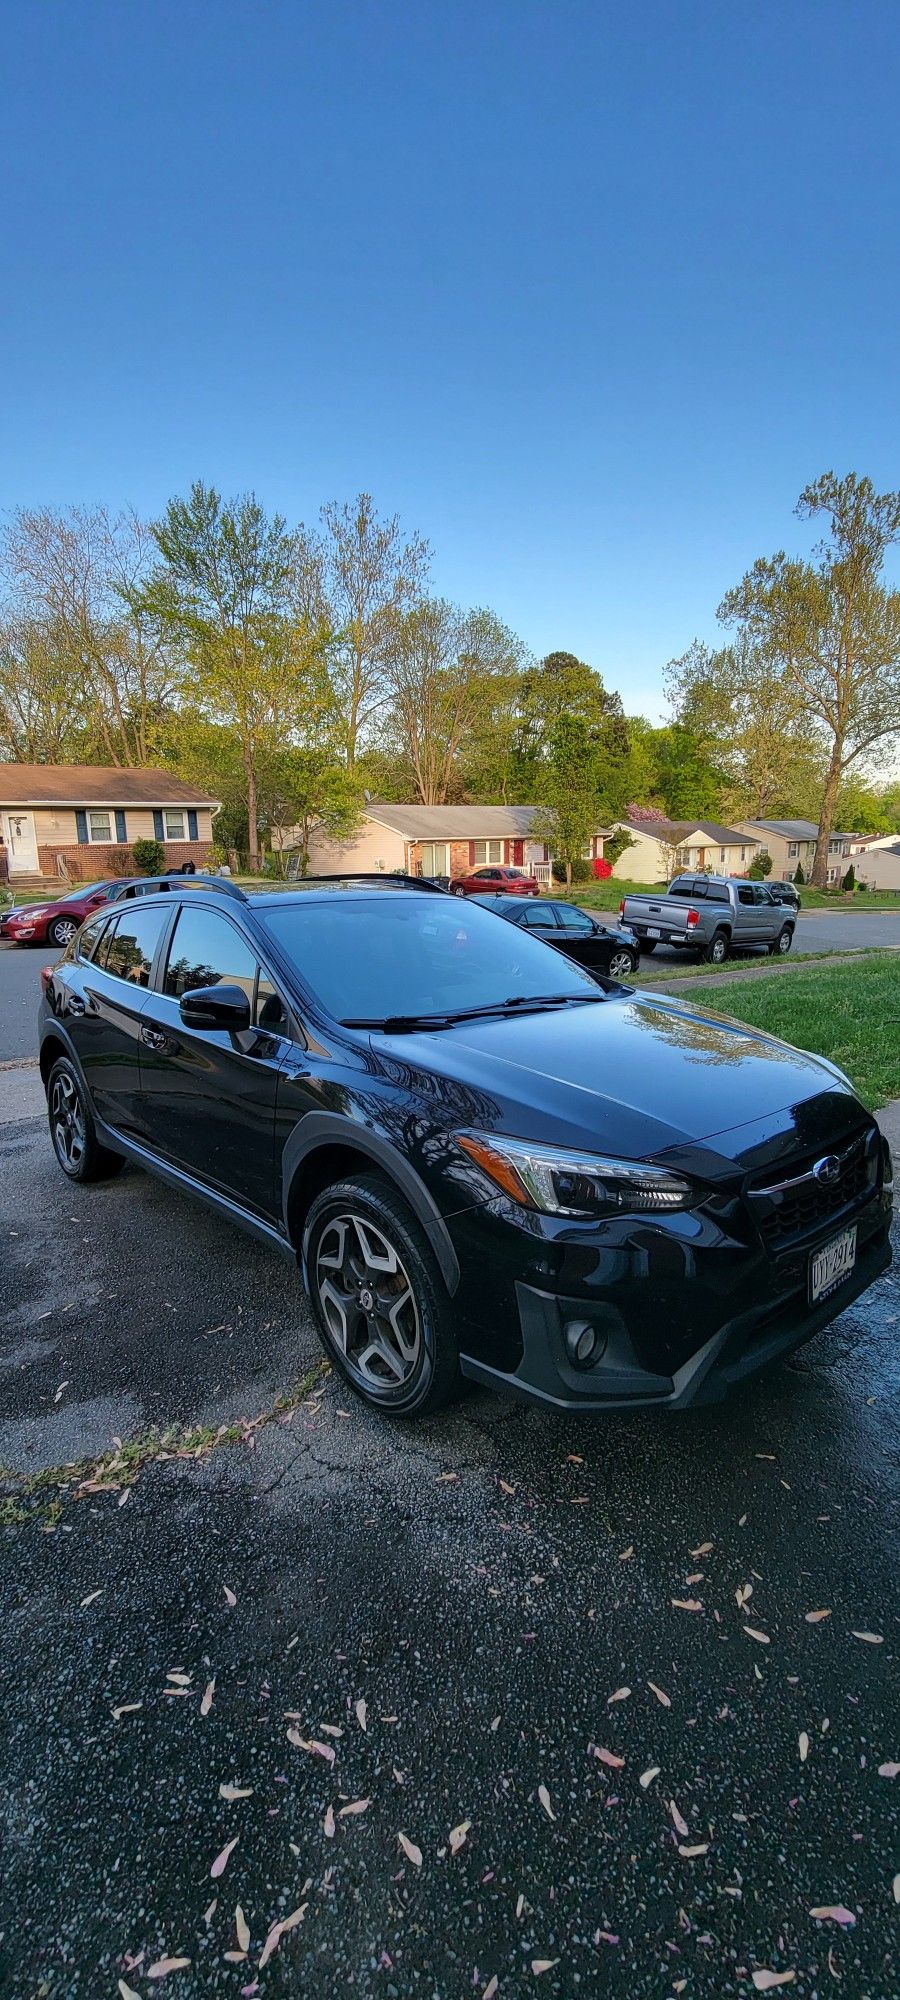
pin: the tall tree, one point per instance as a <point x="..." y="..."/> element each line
<point x="361" y="573"/>
<point x="570" y="780"/>
<point x="833" y="628"/>
<point x="745" y="719"/>
<point x="42" y="712"/>
<point x="226" y="589"/>
<point x="78" y="578"/>
<point x="442" y="668"/>
<point x="306" y="792"/>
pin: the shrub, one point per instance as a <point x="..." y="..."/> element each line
<point x="849" y="880"/>
<point x="760" y="866"/>
<point x="149" y="857"/>
<point x="118" y="860"/>
<point x="582" y="871"/>
<point x="799" y="877"/>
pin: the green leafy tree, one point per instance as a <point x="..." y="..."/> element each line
<point x="569" y="812"/>
<point x="442" y="669"/>
<point x="832" y="627"/>
<point x="307" y="792"/>
<point x="226" y="588"/>
<point x="761" y="866"/>
<point x="799" y="876"/>
<point x="744" y="719"/>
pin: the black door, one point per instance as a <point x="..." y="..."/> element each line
<point x="106" y="1000"/>
<point x="209" y="1095"/>
<point x="580" y="940"/>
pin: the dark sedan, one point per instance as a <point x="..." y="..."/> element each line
<point x="786" y="893"/>
<point x="606" y="948"/>
<point x="485" y="1163"/>
<point x="56" y="920"/>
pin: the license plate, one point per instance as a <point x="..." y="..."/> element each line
<point x="829" y="1267"/>
<point x="650" y="932"/>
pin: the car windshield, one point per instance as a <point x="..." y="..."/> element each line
<point x="84" y="889"/>
<point x="391" y="955"/>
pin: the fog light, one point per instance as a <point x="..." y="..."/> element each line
<point x="583" y="1342"/>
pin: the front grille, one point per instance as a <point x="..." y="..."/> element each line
<point x="800" y="1203"/>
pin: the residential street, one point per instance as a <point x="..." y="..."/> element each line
<point x="509" y="1593"/>
<point x="19" y="968"/>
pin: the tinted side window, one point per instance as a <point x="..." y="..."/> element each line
<point x="745" y="893"/>
<point x="132" y="944"/>
<point x="574" y="920"/>
<point x="682" y="886"/>
<point x="270" y="1009"/>
<point x="89" y="938"/>
<point x="205" y="950"/>
<point x="717" y="892"/>
<point x="536" y="919"/>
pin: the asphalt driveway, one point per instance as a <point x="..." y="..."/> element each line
<point x="480" y="1700"/>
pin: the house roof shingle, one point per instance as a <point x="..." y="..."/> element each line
<point x="453" y="822"/>
<point x="669" y="830"/>
<point x="95" y="785"/>
<point x="796" y="829"/>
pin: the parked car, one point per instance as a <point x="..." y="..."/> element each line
<point x="785" y="892"/>
<point x="712" y="915"/>
<point x="598" y="947"/>
<point x="485" y="1163"/>
<point x="56" y="921"/>
<point x="496" y="881"/>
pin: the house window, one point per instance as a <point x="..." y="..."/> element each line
<point x="743" y="853"/>
<point x="793" y="850"/>
<point x="435" y="858"/>
<point x="488" y="850"/>
<point x="722" y="854"/>
<point x="100" y="826"/>
<point x="174" y="826"/>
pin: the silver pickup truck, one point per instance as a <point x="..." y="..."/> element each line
<point x="711" y="915"/>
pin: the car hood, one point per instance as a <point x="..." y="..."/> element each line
<point x="634" y="1076"/>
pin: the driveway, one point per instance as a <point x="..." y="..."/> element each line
<point x="822" y="931"/>
<point x="500" y="1632"/>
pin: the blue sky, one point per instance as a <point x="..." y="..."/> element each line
<point x="586" y="292"/>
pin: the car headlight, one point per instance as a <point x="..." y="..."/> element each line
<point x="561" y="1182"/>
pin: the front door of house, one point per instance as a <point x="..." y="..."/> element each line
<point x="21" y="843"/>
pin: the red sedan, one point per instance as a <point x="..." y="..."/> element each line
<point x="56" y="921"/>
<point x="495" y="882"/>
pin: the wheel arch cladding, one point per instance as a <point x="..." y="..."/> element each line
<point x="324" y="1148"/>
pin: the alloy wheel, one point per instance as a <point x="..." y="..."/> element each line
<point x="621" y="965"/>
<point x="63" y="931"/>
<point x="67" y="1123"/>
<point x="784" y="942"/>
<point x="368" y="1303"/>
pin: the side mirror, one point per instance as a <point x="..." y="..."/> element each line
<point x="222" y="1006"/>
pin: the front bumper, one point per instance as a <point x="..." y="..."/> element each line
<point x="680" y="1318"/>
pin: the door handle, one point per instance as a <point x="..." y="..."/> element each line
<point x="153" y="1038"/>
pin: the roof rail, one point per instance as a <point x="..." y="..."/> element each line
<point x="386" y="879"/>
<point x="141" y="885"/>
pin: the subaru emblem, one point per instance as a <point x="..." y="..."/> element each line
<point x="828" y="1170"/>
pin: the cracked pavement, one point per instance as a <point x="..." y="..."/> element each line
<point x="486" y="1582"/>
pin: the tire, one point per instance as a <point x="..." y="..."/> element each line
<point x="717" y="949"/>
<point x="649" y="944"/>
<point x="781" y="945"/>
<point x="403" y="1360"/>
<point x="457" y="890"/>
<point x="623" y="964"/>
<point x="62" y="930"/>
<point x="72" y="1129"/>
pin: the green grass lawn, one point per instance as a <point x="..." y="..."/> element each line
<point x="850" y="1013"/>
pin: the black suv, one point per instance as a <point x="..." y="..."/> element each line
<point x="484" y="1161"/>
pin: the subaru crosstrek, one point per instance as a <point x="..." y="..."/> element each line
<point x="485" y="1162"/>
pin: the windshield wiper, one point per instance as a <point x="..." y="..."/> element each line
<point x="399" y="1024"/>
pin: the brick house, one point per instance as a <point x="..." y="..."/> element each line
<point x="432" y="840"/>
<point x="75" y="819"/>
